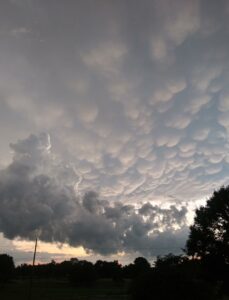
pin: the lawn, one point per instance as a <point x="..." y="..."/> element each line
<point x="62" y="290"/>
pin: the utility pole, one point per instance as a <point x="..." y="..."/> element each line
<point x="32" y="271"/>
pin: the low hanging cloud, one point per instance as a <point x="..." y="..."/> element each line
<point x="38" y="198"/>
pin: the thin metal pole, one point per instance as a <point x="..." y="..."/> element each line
<point x="35" y="252"/>
<point x="32" y="271"/>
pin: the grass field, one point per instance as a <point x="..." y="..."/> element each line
<point x="61" y="290"/>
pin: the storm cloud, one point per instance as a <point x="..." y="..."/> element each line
<point x="38" y="199"/>
<point x="134" y="95"/>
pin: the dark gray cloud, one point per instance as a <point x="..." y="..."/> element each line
<point x="37" y="202"/>
<point x="21" y="256"/>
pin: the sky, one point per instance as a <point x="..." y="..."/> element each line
<point x="114" y="124"/>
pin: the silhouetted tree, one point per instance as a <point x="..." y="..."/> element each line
<point x="141" y="265"/>
<point x="109" y="269"/>
<point x="129" y="271"/>
<point x="6" y="268"/>
<point x="209" y="239"/>
<point x="209" y="235"/>
<point x="169" y="261"/>
<point x="82" y="273"/>
<point x="171" y="279"/>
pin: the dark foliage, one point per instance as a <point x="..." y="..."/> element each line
<point x="209" y="239"/>
<point x="6" y="268"/>
<point x="82" y="273"/>
<point x="210" y="233"/>
<point x="107" y="269"/>
<point x="174" y="277"/>
<point x="140" y="266"/>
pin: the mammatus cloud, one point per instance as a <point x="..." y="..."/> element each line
<point x="38" y="198"/>
<point x="133" y="93"/>
<point x="137" y="99"/>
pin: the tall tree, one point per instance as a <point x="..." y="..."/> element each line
<point x="209" y="235"/>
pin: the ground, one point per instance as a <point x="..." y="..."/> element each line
<point x="61" y="290"/>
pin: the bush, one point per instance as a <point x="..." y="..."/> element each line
<point x="82" y="273"/>
<point x="6" y="268"/>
